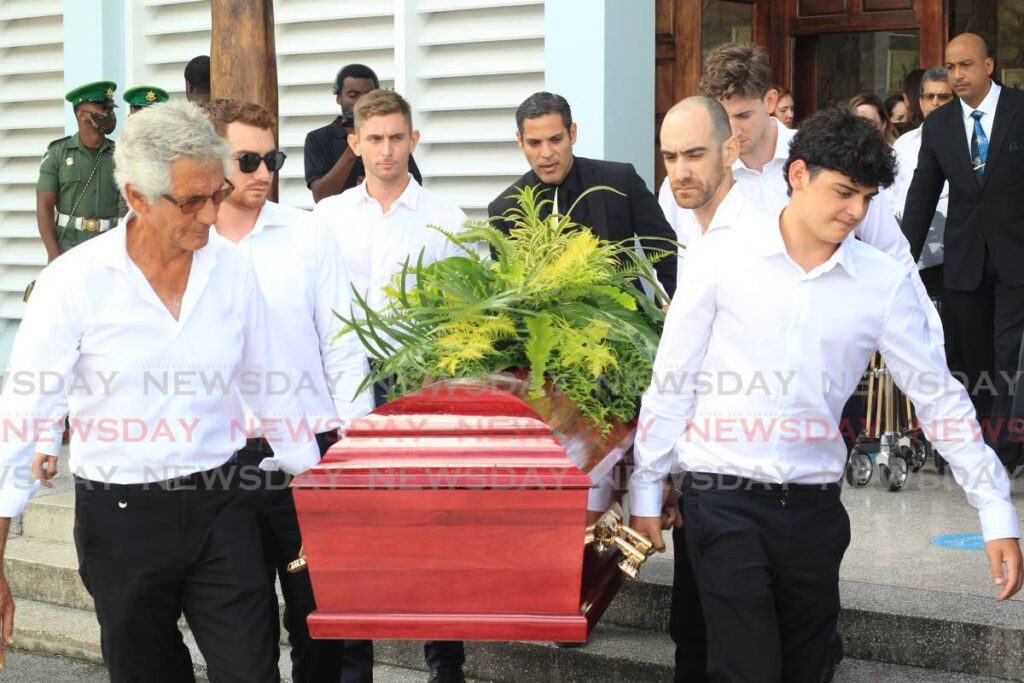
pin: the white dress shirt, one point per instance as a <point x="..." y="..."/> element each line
<point x="150" y="397"/>
<point x="735" y="210"/>
<point x="758" y="357"/>
<point x="988" y="108"/>
<point x="303" y="280"/>
<point x="375" y="245"/>
<point x="879" y="228"/>
<point x="907" y="148"/>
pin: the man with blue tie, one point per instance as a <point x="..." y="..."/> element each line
<point x="976" y="143"/>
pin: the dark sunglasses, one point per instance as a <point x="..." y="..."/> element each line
<point x="940" y="96"/>
<point x="194" y="204"/>
<point x="248" y="162"/>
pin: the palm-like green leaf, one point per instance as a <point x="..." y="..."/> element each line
<point x="548" y="297"/>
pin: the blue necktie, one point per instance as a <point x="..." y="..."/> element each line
<point x="979" y="146"/>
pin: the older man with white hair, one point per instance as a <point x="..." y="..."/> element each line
<point x="170" y="315"/>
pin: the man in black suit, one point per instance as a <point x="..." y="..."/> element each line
<point x="976" y="143"/>
<point x="546" y="134"/>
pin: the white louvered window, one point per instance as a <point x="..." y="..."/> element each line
<point x="470" y="63"/>
<point x="31" y="116"/>
<point x="464" y="65"/>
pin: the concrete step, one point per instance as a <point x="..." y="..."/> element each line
<point x="50" y="517"/>
<point x="45" y="571"/>
<point x="914" y="627"/>
<point x="42" y="628"/>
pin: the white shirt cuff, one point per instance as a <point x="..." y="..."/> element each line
<point x="50" y="446"/>
<point x="14" y="497"/>
<point x="645" y="498"/>
<point x="293" y="463"/>
<point x="999" y="521"/>
<point x="600" y="496"/>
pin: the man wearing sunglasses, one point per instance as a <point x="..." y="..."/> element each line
<point x="299" y="269"/>
<point x="935" y="92"/>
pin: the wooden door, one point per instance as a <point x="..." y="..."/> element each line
<point x="798" y="26"/>
<point x="678" y="50"/>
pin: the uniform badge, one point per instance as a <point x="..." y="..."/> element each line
<point x="69" y="161"/>
<point x="151" y="96"/>
<point x="110" y="93"/>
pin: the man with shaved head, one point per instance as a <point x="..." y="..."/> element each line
<point x="698" y="149"/>
<point x="976" y="144"/>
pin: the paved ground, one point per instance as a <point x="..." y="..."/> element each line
<point x="31" y="668"/>
<point x="895" y="534"/>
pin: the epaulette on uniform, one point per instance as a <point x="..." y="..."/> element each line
<point x="66" y="137"/>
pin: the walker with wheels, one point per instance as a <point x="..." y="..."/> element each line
<point x="890" y="439"/>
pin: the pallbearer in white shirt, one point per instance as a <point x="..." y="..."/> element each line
<point x="698" y="149"/>
<point x="797" y="309"/>
<point x="382" y="224"/>
<point x="171" y="316"/>
<point x="738" y="75"/>
<point x="299" y="270"/>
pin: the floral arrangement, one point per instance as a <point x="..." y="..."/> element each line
<point x="551" y="298"/>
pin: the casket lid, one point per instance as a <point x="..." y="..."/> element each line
<point x="456" y="435"/>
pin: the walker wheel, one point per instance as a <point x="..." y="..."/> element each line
<point x="894" y="475"/>
<point x="859" y="468"/>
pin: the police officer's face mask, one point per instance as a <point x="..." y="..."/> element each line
<point x="104" y="123"/>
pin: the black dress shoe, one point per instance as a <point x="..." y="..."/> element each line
<point x="447" y="675"/>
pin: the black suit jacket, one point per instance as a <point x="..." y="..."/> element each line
<point x="986" y="214"/>
<point x="610" y="216"/>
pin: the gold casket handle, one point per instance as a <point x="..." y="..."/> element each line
<point x="609" y="532"/>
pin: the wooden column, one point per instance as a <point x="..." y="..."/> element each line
<point x="933" y="18"/>
<point x="243" y="57"/>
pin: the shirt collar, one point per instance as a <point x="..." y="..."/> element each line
<point x="728" y="213"/>
<point x="269" y="216"/>
<point x="117" y="256"/>
<point x="782" y="142"/>
<point x="987" y="106"/>
<point x="410" y="196"/>
<point x="767" y="239"/>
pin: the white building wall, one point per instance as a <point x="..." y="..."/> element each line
<point x="464" y="66"/>
<point x="31" y="115"/>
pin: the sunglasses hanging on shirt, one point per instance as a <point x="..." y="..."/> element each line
<point x="248" y="162"/>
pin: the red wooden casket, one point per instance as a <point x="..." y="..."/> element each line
<point x="459" y="513"/>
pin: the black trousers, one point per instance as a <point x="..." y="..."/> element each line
<point x="766" y="560"/>
<point x="983" y="332"/>
<point x="313" y="661"/>
<point x="686" y="619"/>
<point x="148" y="554"/>
<point x="439" y="654"/>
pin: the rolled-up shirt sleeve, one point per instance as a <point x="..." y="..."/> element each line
<point x="946" y="413"/>
<point x="46" y="346"/>
<point x="283" y="421"/>
<point x="669" y="402"/>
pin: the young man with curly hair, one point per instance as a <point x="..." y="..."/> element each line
<point x="775" y="302"/>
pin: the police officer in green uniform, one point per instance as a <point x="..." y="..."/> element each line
<point x="142" y="96"/>
<point x="76" y="196"/>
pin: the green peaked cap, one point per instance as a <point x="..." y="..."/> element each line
<point x="145" y="95"/>
<point x="100" y="92"/>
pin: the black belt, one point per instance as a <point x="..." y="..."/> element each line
<point x="707" y="481"/>
<point x="216" y="479"/>
<point x="259" y="445"/>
